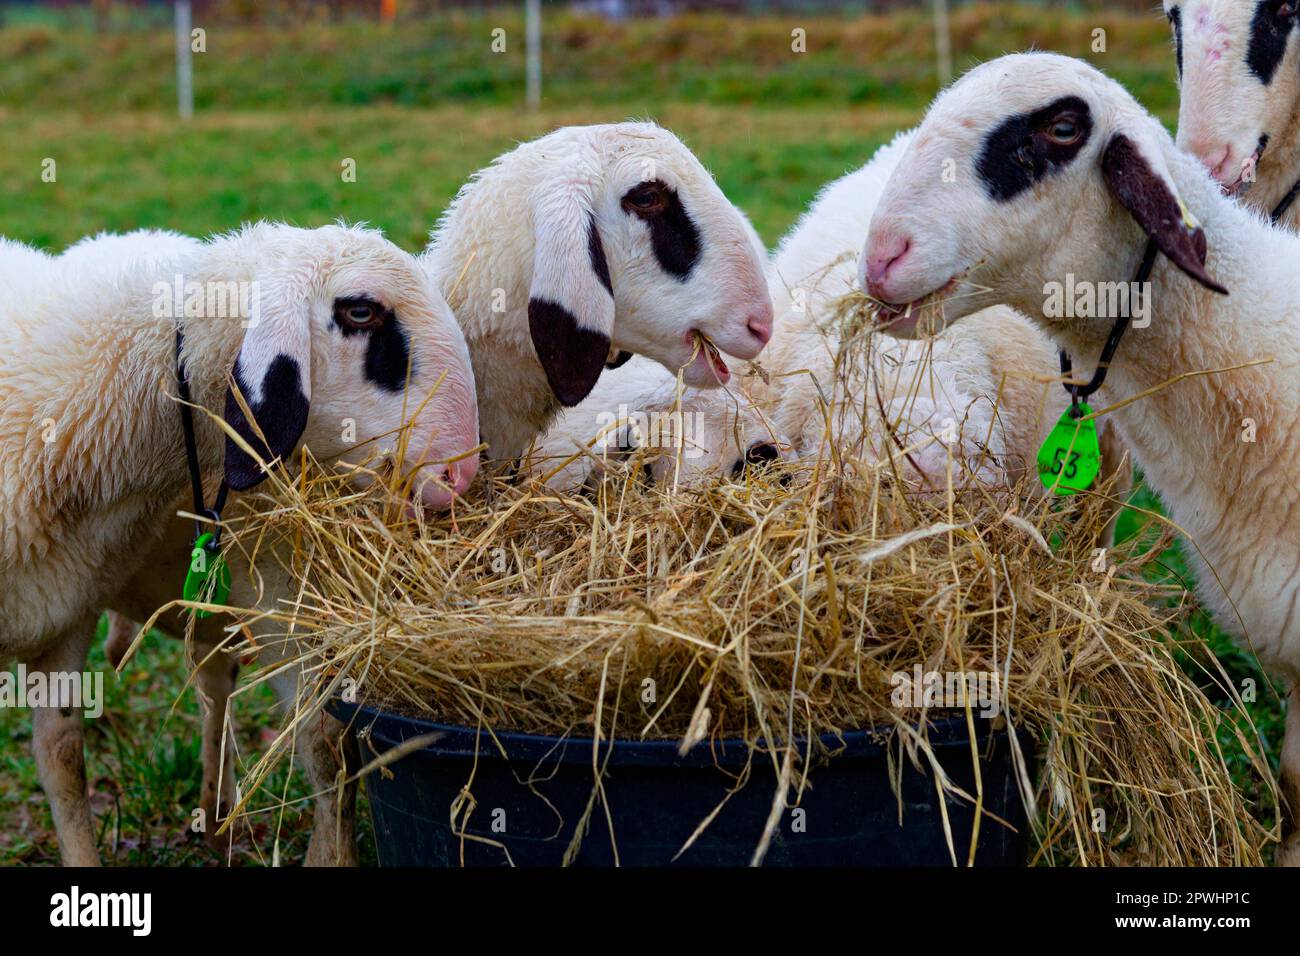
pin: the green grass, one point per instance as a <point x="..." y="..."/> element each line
<point x="588" y="61"/>
<point x="143" y="769"/>
<point x="419" y="108"/>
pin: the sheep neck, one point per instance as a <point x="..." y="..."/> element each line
<point x="1277" y="175"/>
<point x="1214" y="446"/>
<point x="484" y="267"/>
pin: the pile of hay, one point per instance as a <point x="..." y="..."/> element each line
<point x="781" y="604"/>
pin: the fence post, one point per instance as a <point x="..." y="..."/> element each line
<point x="184" y="61"/>
<point x="533" y="46"/>
<point x="942" y="43"/>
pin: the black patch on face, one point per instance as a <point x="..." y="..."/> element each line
<point x="387" y="357"/>
<point x="619" y="360"/>
<point x="1176" y="18"/>
<point x="388" y="353"/>
<point x="1021" y="151"/>
<point x="571" y="356"/>
<point x="673" y="235"/>
<point x="1268" y="38"/>
<point x="599" y="264"/>
<point x="281" y="415"/>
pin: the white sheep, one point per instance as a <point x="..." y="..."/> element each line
<point x="563" y="253"/>
<point x="935" y="398"/>
<point x="324" y="331"/>
<point x="586" y="243"/>
<point x="1239" y="112"/>
<point x="1056" y="175"/>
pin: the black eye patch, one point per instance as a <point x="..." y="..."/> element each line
<point x="1268" y="38"/>
<point x="387" y="353"/>
<point x="673" y="236"/>
<point x="1176" y="18"/>
<point x="1019" y="154"/>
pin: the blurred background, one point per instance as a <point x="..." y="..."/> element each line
<point x="778" y="97"/>
<point x="420" y="93"/>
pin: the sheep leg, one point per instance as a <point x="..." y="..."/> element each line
<point x="327" y="751"/>
<point x="326" y="754"/>
<point x="1289" y="853"/>
<point x="217" y="673"/>
<point x="121" y="632"/>
<point x="58" y="744"/>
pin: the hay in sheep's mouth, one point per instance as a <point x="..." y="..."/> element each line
<point x="763" y="608"/>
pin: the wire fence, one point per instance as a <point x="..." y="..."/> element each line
<point x="115" y="15"/>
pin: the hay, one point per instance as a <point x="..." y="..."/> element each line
<point x="780" y="606"/>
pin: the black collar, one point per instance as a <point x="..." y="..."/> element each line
<point x="192" y="456"/>
<point x="1280" y="209"/>
<point x="1078" y="393"/>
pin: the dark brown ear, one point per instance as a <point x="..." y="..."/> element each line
<point x="571" y="300"/>
<point x="572" y="356"/>
<point x="1150" y="197"/>
<point x="273" y="373"/>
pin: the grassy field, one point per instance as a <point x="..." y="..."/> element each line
<point x="419" y="108"/>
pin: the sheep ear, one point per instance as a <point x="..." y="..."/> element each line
<point x="571" y="301"/>
<point x="1141" y="182"/>
<point x="273" y="375"/>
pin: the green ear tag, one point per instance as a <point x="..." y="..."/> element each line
<point x="208" y="579"/>
<point x="1070" y="459"/>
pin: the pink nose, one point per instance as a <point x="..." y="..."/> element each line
<point x="760" y="324"/>
<point x="1216" y="157"/>
<point x="442" y="484"/>
<point x="883" y="256"/>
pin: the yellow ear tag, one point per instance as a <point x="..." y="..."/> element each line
<point x="1070" y="459"/>
<point x="207" y="581"/>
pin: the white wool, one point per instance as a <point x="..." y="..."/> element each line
<point x="88" y="422"/>
<point x="1226" y="509"/>
<point x="1217" y="448"/>
<point x="1226" y="105"/>
<point x="92" y="459"/>
<point x="519" y="229"/>
<point x="929" y="392"/>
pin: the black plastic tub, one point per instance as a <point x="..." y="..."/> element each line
<point x="531" y="801"/>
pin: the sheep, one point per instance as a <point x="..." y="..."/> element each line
<point x="563" y="254"/>
<point x="586" y="244"/>
<point x="944" y="391"/>
<point x="1060" y="175"/>
<point x="323" y="331"/>
<point x="1239" y="112"/>
<point x="677" y="433"/>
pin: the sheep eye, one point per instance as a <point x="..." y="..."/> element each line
<point x="646" y="199"/>
<point x="358" y="313"/>
<point x="1064" y="131"/>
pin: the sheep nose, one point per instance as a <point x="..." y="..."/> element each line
<point x="883" y="255"/>
<point x="462" y="473"/>
<point x="759" y="324"/>
<point x="756" y="455"/>
<point x="442" y="484"/>
<point x="1214" y="157"/>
